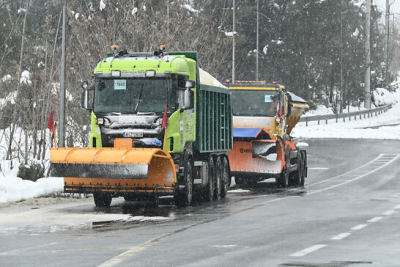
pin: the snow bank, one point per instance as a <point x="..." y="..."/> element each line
<point x="383" y="97"/>
<point x="13" y="188"/>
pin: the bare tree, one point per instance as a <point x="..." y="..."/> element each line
<point x="15" y="112"/>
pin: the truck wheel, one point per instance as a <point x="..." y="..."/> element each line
<point x="209" y="195"/>
<point x="297" y="176"/>
<point x="303" y="168"/>
<point x="282" y="181"/>
<point x="130" y="198"/>
<point x="217" y="182"/>
<point x="102" y="199"/>
<point x="225" y="177"/>
<point x="183" y="199"/>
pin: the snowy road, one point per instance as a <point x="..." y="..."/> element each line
<point x="346" y="215"/>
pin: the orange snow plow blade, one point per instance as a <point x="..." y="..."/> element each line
<point x="119" y="170"/>
<point x="255" y="154"/>
<point x="244" y="162"/>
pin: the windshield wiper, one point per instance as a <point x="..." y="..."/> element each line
<point x="139" y="97"/>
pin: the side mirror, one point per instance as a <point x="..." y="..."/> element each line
<point x="85" y="95"/>
<point x="289" y="105"/>
<point x="187" y="98"/>
<point x="84" y="99"/>
<point x="190" y="84"/>
<point x="85" y="85"/>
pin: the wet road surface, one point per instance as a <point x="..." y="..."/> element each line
<point x="346" y="215"/>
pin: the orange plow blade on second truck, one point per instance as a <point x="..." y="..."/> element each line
<point x="255" y="153"/>
<point x="117" y="169"/>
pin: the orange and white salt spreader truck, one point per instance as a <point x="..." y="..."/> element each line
<point x="264" y="115"/>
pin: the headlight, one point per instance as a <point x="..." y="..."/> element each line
<point x="150" y="73"/>
<point x="115" y="73"/>
<point x="100" y="121"/>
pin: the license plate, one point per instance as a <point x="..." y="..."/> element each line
<point x="133" y="134"/>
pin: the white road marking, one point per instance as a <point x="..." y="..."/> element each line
<point x="224" y="246"/>
<point x="375" y="219"/>
<point x="319" y="168"/>
<point x="357" y="177"/>
<point x="397" y="207"/>
<point x="389" y="212"/>
<point x="18" y="251"/>
<point x="306" y="251"/>
<point x="359" y="227"/>
<point x="340" y="236"/>
<point x="362" y="166"/>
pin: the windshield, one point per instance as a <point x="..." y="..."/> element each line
<point x="258" y="103"/>
<point x="133" y="95"/>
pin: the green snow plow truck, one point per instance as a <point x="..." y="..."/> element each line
<point x="160" y="128"/>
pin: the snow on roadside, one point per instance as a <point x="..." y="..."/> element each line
<point x="383" y="126"/>
<point x="14" y="189"/>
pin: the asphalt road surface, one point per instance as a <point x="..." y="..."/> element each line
<point x="348" y="214"/>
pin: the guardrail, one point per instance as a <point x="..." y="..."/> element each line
<point x="360" y="114"/>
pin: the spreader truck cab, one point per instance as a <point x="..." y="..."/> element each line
<point x="160" y="128"/>
<point x="264" y="115"/>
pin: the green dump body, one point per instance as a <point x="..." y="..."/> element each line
<point x="214" y="119"/>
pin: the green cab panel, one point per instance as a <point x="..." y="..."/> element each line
<point x="95" y="134"/>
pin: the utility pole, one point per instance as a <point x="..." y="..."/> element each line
<point x="61" y="142"/>
<point x="367" y="103"/>
<point x="341" y="97"/>
<point x="233" y="43"/>
<point x="387" y="43"/>
<point x="168" y="18"/>
<point x="257" y="45"/>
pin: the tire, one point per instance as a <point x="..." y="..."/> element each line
<point x="246" y="182"/>
<point x="209" y="194"/>
<point x="283" y="180"/>
<point x="297" y="176"/>
<point x="183" y="199"/>
<point x="304" y="168"/>
<point x="102" y="199"/>
<point x="129" y="198"/>
<point x="217" y="182"/>
<point x="225" y="177"/>
<point x="239" y="181"/>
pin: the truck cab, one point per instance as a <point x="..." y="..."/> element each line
<point x="258" y="104"/>
<point x="133" y="92"/>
